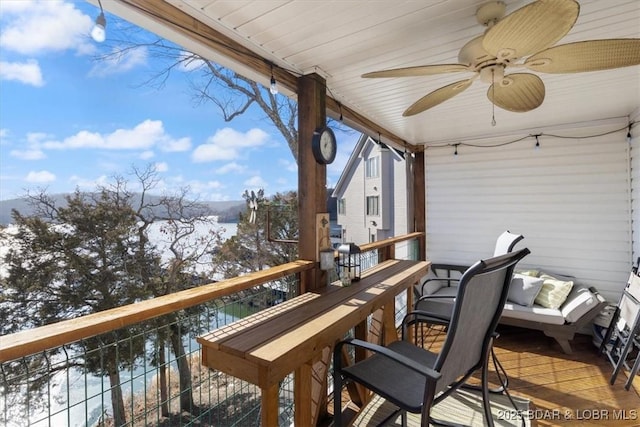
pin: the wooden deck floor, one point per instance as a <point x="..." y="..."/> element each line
<point x="567" y="390"/>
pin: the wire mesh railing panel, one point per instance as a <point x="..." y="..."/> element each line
<point x="149" y="374"/>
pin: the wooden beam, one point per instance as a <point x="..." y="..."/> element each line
<point x="359" y="122"/>
<point x="419" y="202"/>
<point x="178" y="25"/>
<point x="312" y="176"/>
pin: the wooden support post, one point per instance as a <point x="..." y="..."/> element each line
<point x="270" y="405"/>
<point x="357" y="392"/>
<point x="312" y="177"/>
<point x="419" y="204"/>
<point x="389" y="324"/>
<point x="302" y="394"/>
<point x="319" y="386"/>
<point x="377" y="328"/>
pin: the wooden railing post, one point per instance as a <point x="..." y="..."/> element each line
<point x="312" y="176"/>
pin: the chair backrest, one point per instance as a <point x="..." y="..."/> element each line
<point x="629" y="305"/>
<point x="505" y="243"/>
<point x="478" y="306"/>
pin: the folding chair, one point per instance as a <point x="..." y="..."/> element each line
<point x="621" y="343"/>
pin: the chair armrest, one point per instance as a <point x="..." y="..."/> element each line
<point x="388" y="353"/>
<point x="422" y="316"/>
<point x="448" y="268"/>
<point x="446" y="271"/>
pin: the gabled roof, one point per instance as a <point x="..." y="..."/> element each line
<point x="364" y="143"/>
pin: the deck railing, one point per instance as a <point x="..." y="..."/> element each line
<point x="145" y="355"/>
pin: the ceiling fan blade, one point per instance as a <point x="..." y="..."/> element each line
<point x="473" y="53"/>
<point x="518" y="92"/>
<point x="531" y="28"/>
<point x="438" y="96"/>
<point x="422" y="70"/>
<point x="590" y="55"/>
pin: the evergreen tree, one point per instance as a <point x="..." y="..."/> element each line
<point x="257" y="244"/>
<point x="74" y="260"/>
<point x="95" y="253"/>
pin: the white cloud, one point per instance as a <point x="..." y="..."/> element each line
<point x="174" y="145"/>
<point x="29" y="154"/>
<point x="32" y="151"/>
<point x="24" y="72"/>
<point x="188" y="62"/>
<point x="89" y="184"/>
<point x="161" y="167"/>
<point x="40" y="177"/>
<point x="232" y="167"/>
<point x="255" y="182"/>
<point x="289" y="165"/>
<point x="4" y="135"/>
<point x="144" y="136"/>
<point x="120" y="63"/>
<point x="146" y="155"/>
<point x="228" y="144"/>
<point x="36" y="27"/>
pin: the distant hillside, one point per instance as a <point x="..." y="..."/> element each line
<point x="227" y="211"/>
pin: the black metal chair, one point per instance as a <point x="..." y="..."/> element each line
<point x="414" y="379"/>
<point x="504" y="244"/>
<point x="440" y="304"/>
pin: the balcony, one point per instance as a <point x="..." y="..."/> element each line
<point x="52" y="375"/>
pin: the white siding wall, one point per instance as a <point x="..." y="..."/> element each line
<point x="390" y="186"/>
<point x="353" y="221"/>
<point x="571" y="199"/>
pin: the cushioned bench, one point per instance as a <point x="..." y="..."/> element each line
<point x="547" y="303"/>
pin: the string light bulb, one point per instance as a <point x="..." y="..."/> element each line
<point x="629" y="134"/>
<point x="98" y="33"/>
<point x="273" y="86"/>
<point x="537" y="147"/>
<point x="455" y="153"/>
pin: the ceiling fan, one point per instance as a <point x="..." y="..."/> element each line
<point x="522" y="39"/>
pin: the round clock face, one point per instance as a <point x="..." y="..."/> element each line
<point x="324" y="145"/>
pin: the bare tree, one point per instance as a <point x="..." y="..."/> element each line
<point x="232" y="93"/>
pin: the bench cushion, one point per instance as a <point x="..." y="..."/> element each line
<point x="535" y="313"/>
<point x="579" y="302"/>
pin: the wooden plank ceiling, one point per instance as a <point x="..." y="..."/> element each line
<point x="342" y="39"/>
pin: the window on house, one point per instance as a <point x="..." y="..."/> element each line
<point x="342" y="206"/>
<point x="373" y="207"/>
<point x="372" y="167"/>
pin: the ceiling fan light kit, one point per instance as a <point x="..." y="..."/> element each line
<point x="524" y="38"/>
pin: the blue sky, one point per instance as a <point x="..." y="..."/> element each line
<point x="68" y="121"/>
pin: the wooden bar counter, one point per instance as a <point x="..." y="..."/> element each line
<point x="293" y="336"/>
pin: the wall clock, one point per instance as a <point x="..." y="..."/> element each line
<point x="324" y="145"/>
